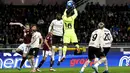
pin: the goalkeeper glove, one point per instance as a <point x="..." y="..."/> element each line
<point x="69" y="4"/>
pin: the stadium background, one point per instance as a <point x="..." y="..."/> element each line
<point x="114" y="13"/>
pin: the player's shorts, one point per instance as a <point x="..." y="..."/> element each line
<point x="106" y="50"/>
<point x="57" y="40"/>
<point x="20" y="52"/>
<point x="33" y="51"/>
<point x="23" y="47"/>
<point x="70" y="37"/>
<point x="47" y="53"/>
<point x="92" y="52"/>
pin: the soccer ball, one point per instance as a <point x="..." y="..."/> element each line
<point x="70" y="3"/>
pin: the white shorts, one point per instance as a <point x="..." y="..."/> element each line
<point x="24" y="48"/>
<point x="46" y="53"/>
<point x="50" y="53"/>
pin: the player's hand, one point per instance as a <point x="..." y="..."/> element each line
<point x="21" y="25"/>
<point x="50" y="48"/>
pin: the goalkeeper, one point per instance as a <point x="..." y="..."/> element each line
<point x="70" y="36"/>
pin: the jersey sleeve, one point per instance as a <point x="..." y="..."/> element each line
<point x="40" y="36"/>
<point x="75" y="14"/>
<point x="111" y="37"/>
<point x="50" y="27"/>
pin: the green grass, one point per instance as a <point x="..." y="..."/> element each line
<point x="70" y="70"/>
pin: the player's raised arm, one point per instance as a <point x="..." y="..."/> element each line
<point x="75" y="13"/>
<point x="50" y="27"/>
<point x="111" y="38"/>
<point x="17" y="23"/>
<point x="70" y="3"/>
<point x="65" y="14"/>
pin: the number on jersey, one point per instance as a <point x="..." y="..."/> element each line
<point x="94" y="37"/>
<point x="69" y="25"/>
<point x="107" y="37"/>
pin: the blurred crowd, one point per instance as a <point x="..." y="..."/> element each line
<point x="115" y="17"/>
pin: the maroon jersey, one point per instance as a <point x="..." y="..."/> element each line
<point x="49" y="41"/>
<point x="27" y="36"/>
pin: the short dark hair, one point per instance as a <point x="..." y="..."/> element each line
<point x="58" y="16"/>
<point x="33" y="25"/>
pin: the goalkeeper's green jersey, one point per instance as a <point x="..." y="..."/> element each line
<point x="69" y="21"/>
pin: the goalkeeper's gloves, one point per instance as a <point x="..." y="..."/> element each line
<point x="69" y="4"/>
<point x="73" y="5"/>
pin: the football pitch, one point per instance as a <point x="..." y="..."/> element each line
<point x="70" y="70"/>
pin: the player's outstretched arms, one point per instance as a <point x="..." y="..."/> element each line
<point x="65" y="14"/>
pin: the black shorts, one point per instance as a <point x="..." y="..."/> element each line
<point x="56" y="40"/>
<point x="33" y="51"/>
<point x="106" y="50"/>
<point x="20" y="52"/>
<point x="92" y="52"/>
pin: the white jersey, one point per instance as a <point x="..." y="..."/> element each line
<point x="107" y="38"/>
<point x="24" y="48"/>
<point x="56" y="27"/>
<point x="95" y="40"/>
<point x="35" y="40"/>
